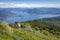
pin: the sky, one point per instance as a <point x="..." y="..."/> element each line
<point x="29" y="3"/>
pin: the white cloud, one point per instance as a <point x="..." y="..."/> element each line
<point x="26" y="5"/>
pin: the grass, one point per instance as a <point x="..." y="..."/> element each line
<point x="26" y="35"/>
<point x="42" y="34"/>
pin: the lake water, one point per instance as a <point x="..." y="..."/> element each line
<point x="26" y="16"/>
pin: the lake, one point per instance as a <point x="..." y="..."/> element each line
<point x="25" y="16"/>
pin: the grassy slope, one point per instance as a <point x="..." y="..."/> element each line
<point x="3" y="29"/>
<point x="55" y="20"/>
<point x="49" y="29"/>
<point x="20" y="33"/>
<point x="46" y="31"/>
<point x="26" y="35"/>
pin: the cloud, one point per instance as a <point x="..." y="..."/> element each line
<point x="26" y="5"/>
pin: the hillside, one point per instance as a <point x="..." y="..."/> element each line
<point x="39" y="31"/>
<point x="8" y="33"/>
<point x="54" y="20"/>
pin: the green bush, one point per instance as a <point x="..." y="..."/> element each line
<point x="36" y="28"/>
<point x="5" y="27"/>
<point x="25" y="25"/>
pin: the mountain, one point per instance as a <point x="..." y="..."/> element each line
<point x="49" y="29"/>
<point x="44" y="10"/>
<point x="11" y="33"/>
<point x="6" y="13"/>
<point x="25" y="14"/>
<point x="52" y="20"/>
<point x="35" y="10"/>
<point x="39" y="31"/>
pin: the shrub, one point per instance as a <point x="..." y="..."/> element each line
<point x="5" y="27"/>
<point x="36" y="28"/>
<point x="26" y="25"/>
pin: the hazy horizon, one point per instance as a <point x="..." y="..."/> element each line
<point x="29" y="3"/>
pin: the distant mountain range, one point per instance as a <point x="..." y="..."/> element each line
<point x="44" y="11"/>
<point x="35" y="10"/>
<point x="26" y="14"/>
<point x="5" y="13"/>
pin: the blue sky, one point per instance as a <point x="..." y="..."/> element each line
<point x="33" y="1"/>
<point x="29" y="3"/>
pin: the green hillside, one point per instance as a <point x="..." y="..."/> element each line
<point x="6" y="31"/>
<point x="30" y="30"/>
<point x="54" y="20"/>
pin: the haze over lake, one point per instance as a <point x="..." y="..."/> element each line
<point x="25" y="14"/>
